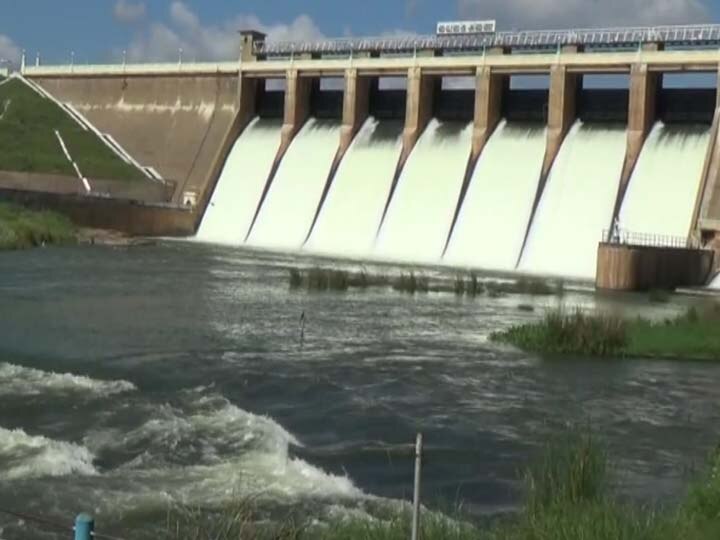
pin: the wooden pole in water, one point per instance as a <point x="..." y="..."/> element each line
<point x="416" y="488"/>
<point x="84" y="526"/>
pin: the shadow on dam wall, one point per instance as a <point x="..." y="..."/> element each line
<point x="134" y="218"/>
<point x="173" y="123"/>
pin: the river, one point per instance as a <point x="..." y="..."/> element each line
<point x="134" y="379"/>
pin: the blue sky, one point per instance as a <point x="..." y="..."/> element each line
<point x="99" y="30"/>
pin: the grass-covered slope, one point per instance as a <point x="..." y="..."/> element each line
<point x="29" y="144"/>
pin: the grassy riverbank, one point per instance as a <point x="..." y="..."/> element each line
<point x="27" y="137"/>
<point x="693" y="335"/>
<point x="21" y="228"/>
<point x="568" y="496"/>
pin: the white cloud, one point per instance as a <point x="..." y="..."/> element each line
<point x="127" y="12"/>
<point x="527" y="14"/>
<point x="199" y="41"/>
<point x="9" y="51"/>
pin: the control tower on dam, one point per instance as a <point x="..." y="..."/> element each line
<point x="474" y="148"/>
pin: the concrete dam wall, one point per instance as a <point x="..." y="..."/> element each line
<point x="492" y="175"/>
<point x="173" y="123"/>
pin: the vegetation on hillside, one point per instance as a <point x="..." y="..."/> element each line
<point x="568" y="496"/>
<point x="21" y="228"/>
<point x="693" y="335"/>
<point x="29" y="143"/>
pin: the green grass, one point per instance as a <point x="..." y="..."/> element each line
<point x="693" y="335"/>
<point x="567" y="496"/>
<point x="29" y="144"/>
<point x="21" y="228"/>
<point x="569" y="333"/>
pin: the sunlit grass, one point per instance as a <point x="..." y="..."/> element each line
<point x="693" y="335"/>
<point x="29" y="144"/>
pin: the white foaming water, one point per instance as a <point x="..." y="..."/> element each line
<point x="26" y="456"/>
<point x="422" y="208"/>
<point x="241" y="183"/>
<point x="494" y="217"/>
<point x="660" y="198"/>
<point x="232" y="453"/>
<point x="289" y="208"/>
<point x="577" y="203"/>
<point x="350" y="217"/>
<point x="18" y="380"/>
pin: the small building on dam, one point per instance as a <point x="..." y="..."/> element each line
<point x="526" y="152"/>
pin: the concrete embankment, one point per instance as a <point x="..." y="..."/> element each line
<point x="173" y="123"/>
<point x="131" y="217"/>
<point x="625" y="267"/>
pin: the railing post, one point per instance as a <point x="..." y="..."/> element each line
<point x="416" y="487"/>
<point x="84" y="526"/>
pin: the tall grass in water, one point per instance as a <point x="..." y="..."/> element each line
<point x="411" y="283"/>
<point x="21" y="228"/>
<point x="472" y="287"/>
<point x="570" y="333"/>
<point x="572" y="470"/>
<point x="318" y="279"/>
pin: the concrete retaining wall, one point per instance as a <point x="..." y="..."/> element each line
<point x="172" y="123"/>
<point x="151" y="192"/>
<point x="130" y="217"/>
<point x="640" y="268"/>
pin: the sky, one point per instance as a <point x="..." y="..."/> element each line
<point x="154" y="30"/>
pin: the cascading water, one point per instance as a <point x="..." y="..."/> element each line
<point x="352" y="212"/>
<point x="292" y="200"/>
<point x="577" y="203"/>
<point x="491" y="226"/>
<point x="234" y="202"/>
<point x="660" y="198"/>
<point x="420" y="214"/>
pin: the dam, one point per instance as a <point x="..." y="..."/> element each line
<point x="428" y="150"/>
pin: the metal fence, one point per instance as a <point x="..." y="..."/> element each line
<point x="622" y="236"/>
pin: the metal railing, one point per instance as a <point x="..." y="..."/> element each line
<point x="624" y="237"/>
<point x="702" y="34"/>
